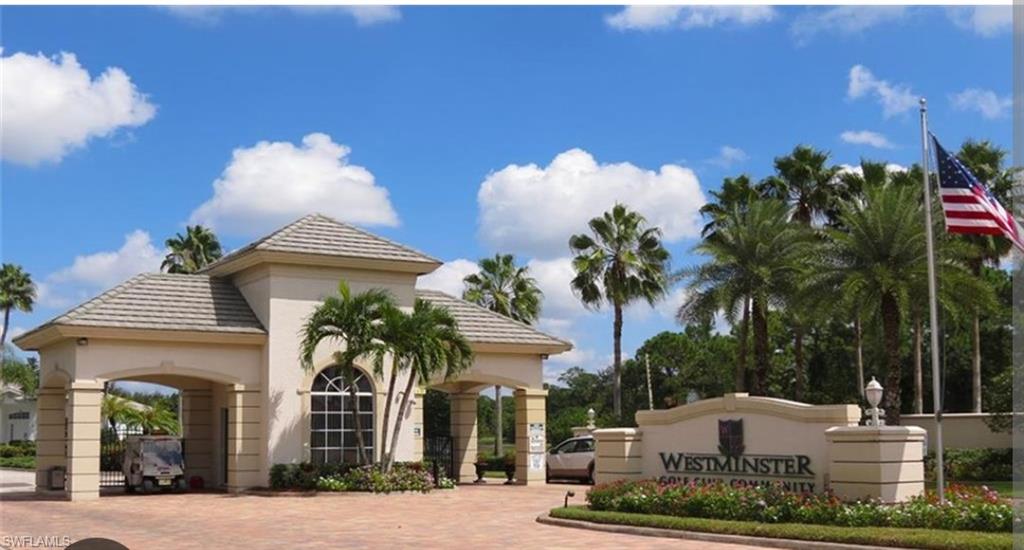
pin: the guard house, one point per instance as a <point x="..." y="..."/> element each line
<point x="228" y="339"/>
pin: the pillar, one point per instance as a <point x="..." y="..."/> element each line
<point x="83" y="440"/>
<point x="618" y="454"/>
<point x="464" y="432"/>
<point x="243" y="441"/>
<point x="880" y="462"/>
<point x="51" y="434"/>
<point x="419" y="396"/>
<point x="197" y="433"/>
<point x="531" y="435"/>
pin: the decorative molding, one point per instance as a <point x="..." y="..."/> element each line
<point x="744" y="403"/>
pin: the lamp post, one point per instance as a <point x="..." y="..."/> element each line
<point x="873" y="392"/>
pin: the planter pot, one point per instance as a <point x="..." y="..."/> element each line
<point x="510" y="473"/>
<point x="481" y="467"/>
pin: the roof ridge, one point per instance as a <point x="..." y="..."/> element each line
<point x="287" y="229"/>
<point x="495" y="314"/>
<point x="366" y="233"/>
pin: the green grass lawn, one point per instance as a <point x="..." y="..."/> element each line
<point x="932" y="539"/>
<point x="19" y="462"/>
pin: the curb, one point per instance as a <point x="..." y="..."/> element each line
<point x="546" y="519"/>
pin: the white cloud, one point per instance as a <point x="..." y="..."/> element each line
<point x="554" y="278"/>
<point x="532" y="210"/>
<point x="689" y="17"/>
<point x="729" y="156"/>
<point x="273" y="183"/>
<point x="866" y="137"/>
<point x="986" y="102"/>
<point x="106" y="269"/>
<point x="51" y="106"/>
<point x="842" y="20"/>
<point x="986" y="21"/>
<point x="894" y="98"/>
<point x="364" y="16"/>
<point x="448" y="277"/>
<point x="91" y="273"/>
<point x="891" y="168"/>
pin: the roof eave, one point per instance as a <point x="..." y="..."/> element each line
<point x="520" y="348"/>
<point x="47" y="335"/>
<point x="251" y="258"/>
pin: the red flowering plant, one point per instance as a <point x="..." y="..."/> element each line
<point x="967" y="508"/>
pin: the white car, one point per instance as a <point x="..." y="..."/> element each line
<point x="572" y="459"/>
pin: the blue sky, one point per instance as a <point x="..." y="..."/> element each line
<point x="460" y="131"/>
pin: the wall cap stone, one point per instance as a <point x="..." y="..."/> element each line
<point x="909" y="433"/>
<point x="742" y="402"/>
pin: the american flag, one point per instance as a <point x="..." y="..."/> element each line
<point x="970" y="207"/>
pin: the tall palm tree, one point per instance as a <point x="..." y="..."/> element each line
<point x="877" y="259"/>
<point x="620" y="262"/>
<point x="736" y="192"/>
<point x="756" y="253"/>
<point x="985" y="161"/>
<point x="351" y="319"/>
<point x="804" y="180"/>
<point x="17" y="291"/>
<point x="504" y="288"/>
<point x="190" y="252"/>
<point x="435" y="351"/>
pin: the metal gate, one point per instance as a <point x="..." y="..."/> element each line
<point x="439" y="453"/>
<point x="112" y="455"/>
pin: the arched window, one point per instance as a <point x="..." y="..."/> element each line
<point x="333" y="426"/>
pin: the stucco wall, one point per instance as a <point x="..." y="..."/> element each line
<point x="960" y="431"/>
<point x="283" y="297"/>
<point x="18" y="429"/>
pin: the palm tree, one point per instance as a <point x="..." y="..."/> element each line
<point x="504" y="288"/>
<point x="758" y="254"/>
<point x="154" y="419"/>
<point x="17" y="291"/>
<point x="116" y="410"/>
<point x="879" y="259"/>
<point x="804" y="180"/>
<point x="190" y="252"/>
<point x="433" y="350"/>
<point x="352" y="319"/>
<point x="620" y="262"/>
<point x="985" y="161"/>
<point x="736" y="192"/>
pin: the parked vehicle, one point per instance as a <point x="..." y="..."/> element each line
<point x="153" y="462"/>
<point x="572" y="459"/>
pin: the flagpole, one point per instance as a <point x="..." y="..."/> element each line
<point x="933" y="307"/>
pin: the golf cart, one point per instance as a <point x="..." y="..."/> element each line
<point x="153" y="462"/>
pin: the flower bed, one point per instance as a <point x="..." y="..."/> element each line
<point x="967" y="508"/>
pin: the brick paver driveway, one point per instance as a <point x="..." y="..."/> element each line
<point x="466" y="518"/>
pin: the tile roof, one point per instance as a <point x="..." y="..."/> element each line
<point x="166" y="301"/>
<point x="481" y="325"/>
<point x="319" y="234"/>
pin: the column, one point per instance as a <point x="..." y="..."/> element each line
<point x="618" y="454"/>
<point x="83" y="440"/>
<point x="197" y="433"/>
<point x="51" y="436"/>
<point x="463" y="424"/>
<point x="531" y="435"/>
<point x="881" y="462"/>
<point x="243" y="441"/>
<point x="420" y="395"/>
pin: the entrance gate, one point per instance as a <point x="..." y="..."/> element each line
<point x="438" y="451"/>
<point x="112" y="455"/>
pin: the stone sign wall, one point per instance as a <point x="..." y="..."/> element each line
<point x="736" y="439"/>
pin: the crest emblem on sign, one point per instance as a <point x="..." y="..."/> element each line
<point x="730" y="437"/>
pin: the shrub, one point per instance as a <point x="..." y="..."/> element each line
<point x="303" y="476"/>
<point x="973" y="464"/>
<point x="18" y="462"/>
<point x="17" y="448"/>
<point x="967" y="508"/>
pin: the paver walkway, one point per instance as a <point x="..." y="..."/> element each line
<point x="466" y="518"/>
